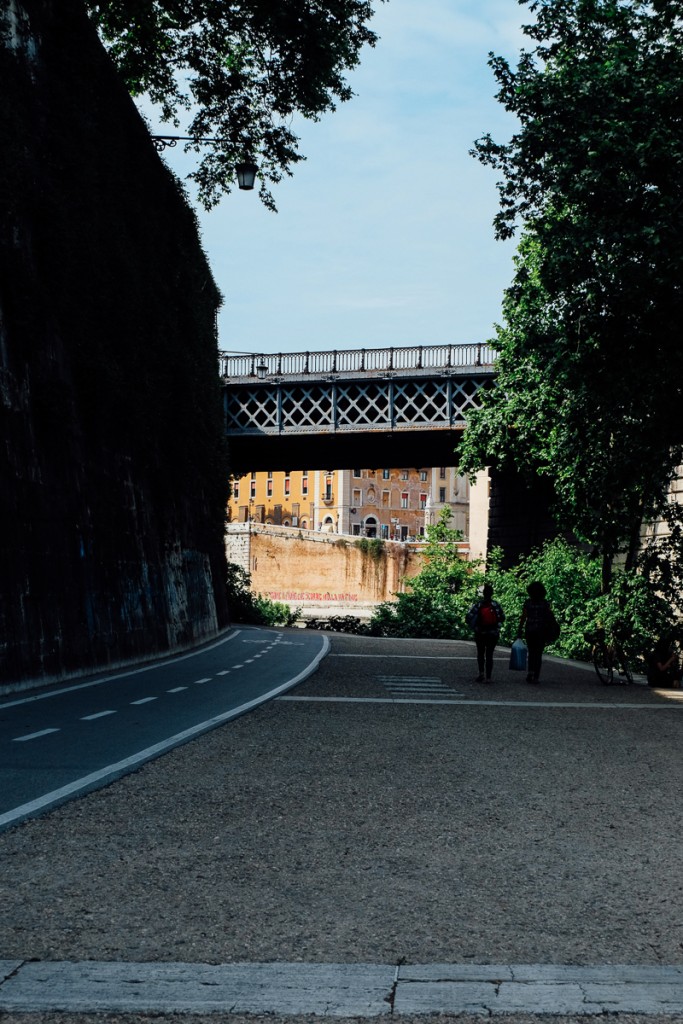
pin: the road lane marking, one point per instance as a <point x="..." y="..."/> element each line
<point x="121" y="675"/>
<point x="225" y="672"/>
<point x="489" y="703"/>
<point x="198" y="682"/>
<point x="143" y="700"/>
<point x="177" y="689"/>
<point x="98" y="714"/>
<point x="119" y="768"/>
<point x="421" y="657"/>
<point x="237" y="666"/>
<point x="34" y="735"/>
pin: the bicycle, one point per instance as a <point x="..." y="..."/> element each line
<point x="609" y="658"/>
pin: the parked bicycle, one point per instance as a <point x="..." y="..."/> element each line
<point x="609" y="660"/>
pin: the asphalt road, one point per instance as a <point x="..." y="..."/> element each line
<point x="61" y="742"/>
<point x="389" y="838"/>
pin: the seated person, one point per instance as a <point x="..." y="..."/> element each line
<point x="663" y="667"/>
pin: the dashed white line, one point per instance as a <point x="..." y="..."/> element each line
<point x="34" y="735"/>
<point x="225" y="672"/>
<point x="143" y="700"/>
<point x="238" y="666"/>
<point x="98" y="714"/>
<point x="177" y="689"/>
<point x="198" y="682"/>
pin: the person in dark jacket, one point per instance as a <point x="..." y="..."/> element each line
<point x="485" y="617"/>
<point x="535" y="626"/>
<point x="663" y="667"/>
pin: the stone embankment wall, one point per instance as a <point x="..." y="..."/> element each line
<point x="113" y="465"/>
<point x="323" y="574"/>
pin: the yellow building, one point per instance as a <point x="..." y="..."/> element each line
<point x="394" y="504"/>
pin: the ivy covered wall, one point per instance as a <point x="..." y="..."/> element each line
<point x="113" y="463"/>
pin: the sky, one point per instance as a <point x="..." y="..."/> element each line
<point x="384" y="234"/>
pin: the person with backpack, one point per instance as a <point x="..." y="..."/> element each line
<point x="485" y="617"/>
<point x="539" y="627"/>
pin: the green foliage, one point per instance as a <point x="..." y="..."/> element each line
<point x="251" y="608"/>
<point x="588" y="391"/>
<point x="438" y="597"/>
<point x="241" y="71"/>
<point x="372" y="546"/>
<point x="635" y="610"/>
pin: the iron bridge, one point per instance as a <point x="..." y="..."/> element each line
<point x="353" y="396"/>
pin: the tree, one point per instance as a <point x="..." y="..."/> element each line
<point x="590" y="366"/>
<point x="239" y="71"/>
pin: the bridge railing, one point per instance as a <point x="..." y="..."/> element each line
<point x="348" y="361"/>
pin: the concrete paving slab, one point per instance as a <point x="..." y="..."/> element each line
<point x="8" y="967"/>
<point x="347" y="990"/>
<point x="339" y="990"/>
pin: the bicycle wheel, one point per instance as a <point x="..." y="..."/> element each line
<point x="625" y="674"/>
<point x="603" y="664"/>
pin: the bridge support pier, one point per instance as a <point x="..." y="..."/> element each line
<point x="519" y="514"/>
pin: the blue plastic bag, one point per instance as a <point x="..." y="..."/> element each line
<point x="518" y="656"/>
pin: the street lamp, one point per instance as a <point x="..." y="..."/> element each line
<point x="246" y="171"/>
<point x="262" y="369"/>
<point x="246" y="175"/>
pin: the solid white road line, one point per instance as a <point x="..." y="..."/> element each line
<point x="119" y="768"/>
<point x="489" y="703"/>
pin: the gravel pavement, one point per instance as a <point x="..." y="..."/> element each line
<point x="515" y="824"/>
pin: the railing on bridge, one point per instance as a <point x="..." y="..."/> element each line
<point x="375" y="361"/>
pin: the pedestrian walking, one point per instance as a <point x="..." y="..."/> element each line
<point x="538" y="626"/>
<point x="663" y="667"/>
<point x="485" y="618"/>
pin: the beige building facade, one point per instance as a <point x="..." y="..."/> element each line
<point x="387" y="503"/>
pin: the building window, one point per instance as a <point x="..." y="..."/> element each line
<point x="404" y="474"/>
<point x="357" y="496"/>
<point x="385" y="531"/>
<point x="386" y="474"/>
<point x="287" y="487"/>
<point x="328" y="488"/>
<point x="357" y="473"/>
<point x="235" y="489"/>
<point x="404" y="499"/>
<point x="423" y="501"/>
<point x="252" y="489"/>
<point x="270" y="474"/>
<point x="269" y="488"/>
<point x="423" y="475"/>
<point x="442" y="494"/>
<point x="442" y="473"/>
<point x="304" y="485"/>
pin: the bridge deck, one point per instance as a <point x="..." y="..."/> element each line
<point x="415" y="361"/>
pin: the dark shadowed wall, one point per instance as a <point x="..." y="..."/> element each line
<point x="113" y="464"/>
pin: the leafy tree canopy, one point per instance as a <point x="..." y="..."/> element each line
<point x="590" y="361"/>
<point x="240" y="71"/>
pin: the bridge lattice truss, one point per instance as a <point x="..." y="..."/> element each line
<point x="412" y="398"/>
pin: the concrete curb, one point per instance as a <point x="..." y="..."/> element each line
<point x="339" y="990"/>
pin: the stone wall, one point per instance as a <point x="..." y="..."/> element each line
<point x="323" y="574"/>
<point x="112" y="469"/>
